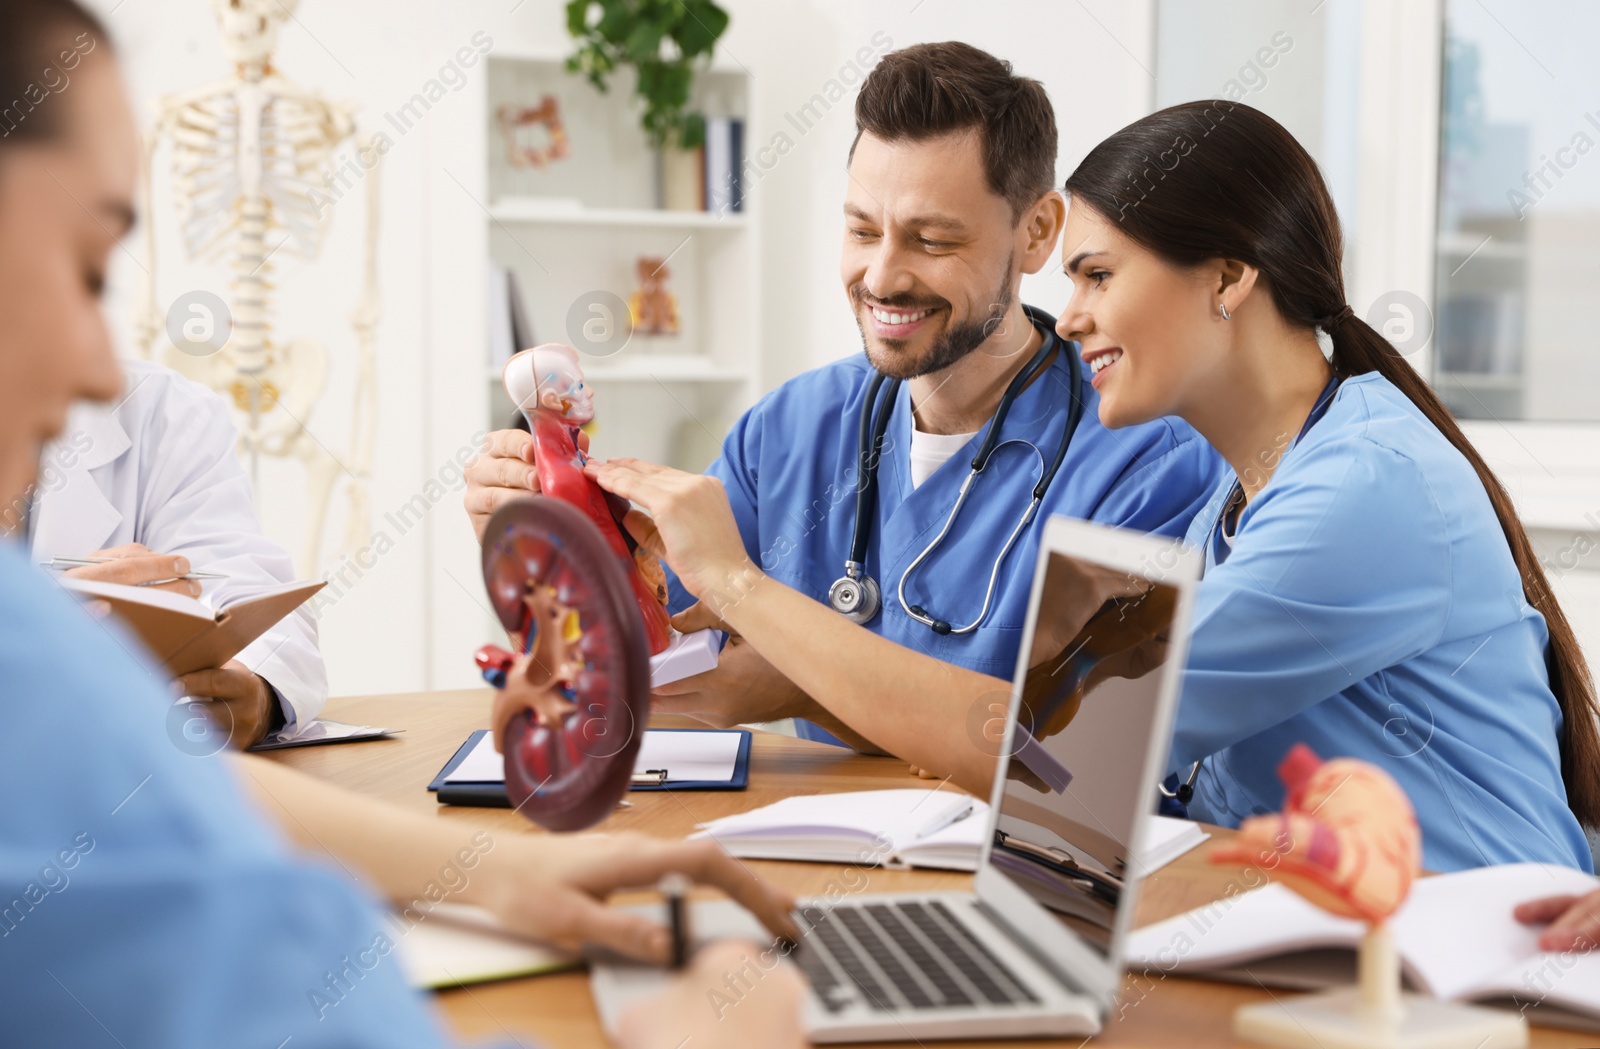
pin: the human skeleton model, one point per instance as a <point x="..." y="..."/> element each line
<point x="251" y="157"/>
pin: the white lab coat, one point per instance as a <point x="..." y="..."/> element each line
<point x="160" y="469"/>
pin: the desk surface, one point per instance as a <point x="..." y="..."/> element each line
<point x="557" y="1011"/>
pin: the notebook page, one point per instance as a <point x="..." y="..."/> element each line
<point x="892" y="814"/>
<point x="154" y="597"/>
<point x="456" y="944"/>
<point x="241" y="594"/>
<point x="1457" y="932"/>
<point x="1239" y="928"/>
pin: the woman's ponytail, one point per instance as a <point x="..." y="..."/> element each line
<point x="1208" y="180"/>
<point x="1358" y="349"/>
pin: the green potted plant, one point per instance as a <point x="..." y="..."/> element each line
<point x="664" y="40"/>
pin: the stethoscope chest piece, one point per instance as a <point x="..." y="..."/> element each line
<point x="855" y="596"/>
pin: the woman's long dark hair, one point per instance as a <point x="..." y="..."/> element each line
<point x="34" y="33"/>
<point x="1208" y="180"/>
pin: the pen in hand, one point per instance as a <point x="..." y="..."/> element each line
<point x="64" y="564"/>
<point x="674" y="887"/>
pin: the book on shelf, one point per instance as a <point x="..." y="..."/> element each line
<point x="683" y="179"/>
<point x="724" y="165"/>
<point x="509" y="330"/>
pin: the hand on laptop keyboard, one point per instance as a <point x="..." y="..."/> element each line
<point x="725" y="1000"/>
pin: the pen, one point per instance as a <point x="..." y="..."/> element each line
<point x="62" y="564"/>
<point x="960" y="811"/>
<point x="650" y="778"/>
<point x="674" y="886"/>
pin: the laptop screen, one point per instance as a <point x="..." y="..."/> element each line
<point x="1078" y="772"/>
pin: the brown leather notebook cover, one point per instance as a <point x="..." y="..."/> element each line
<point x="181" y="632"/>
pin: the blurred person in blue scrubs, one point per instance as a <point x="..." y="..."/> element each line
<point x="145" y="898"/>
<point x="950" y="201"/>
<point x="1368" y="587"/>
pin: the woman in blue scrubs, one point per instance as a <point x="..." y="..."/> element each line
<point x="1368" y="590"/>
<point x="1368" y="587"/>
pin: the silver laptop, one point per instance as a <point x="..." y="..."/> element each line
<point x="1036" y="947"/>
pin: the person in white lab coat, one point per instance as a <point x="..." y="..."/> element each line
<point x="155" y="483"/>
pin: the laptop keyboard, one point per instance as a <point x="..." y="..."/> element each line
<point x="904" y="955"/>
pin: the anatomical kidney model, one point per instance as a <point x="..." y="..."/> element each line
<point x="1347" y="840"/>
<point x="546" y="383"/>
<point x="578" y="685"/>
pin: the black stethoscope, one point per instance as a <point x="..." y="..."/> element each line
<point x="856" y="595"/>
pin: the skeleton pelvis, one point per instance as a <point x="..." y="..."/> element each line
<point x="274" y="400"/>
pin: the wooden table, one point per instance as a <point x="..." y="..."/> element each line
<point x="557" y="1011"/>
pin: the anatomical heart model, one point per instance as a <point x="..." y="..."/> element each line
<point x="1347" y="840"/>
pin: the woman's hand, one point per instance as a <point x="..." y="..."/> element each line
<point x="765" y="1013"/>
<point x="690" y="525"/>
<point x="553" y="888"/>
<point x="1574" y="921"/>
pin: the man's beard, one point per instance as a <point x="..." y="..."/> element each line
<point x="952" y="345"/>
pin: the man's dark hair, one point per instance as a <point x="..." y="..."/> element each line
<point x="36" y="34"/>
<point x="927" y="90"/>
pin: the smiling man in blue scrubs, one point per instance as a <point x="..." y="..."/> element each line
<point x="951" y="200"/>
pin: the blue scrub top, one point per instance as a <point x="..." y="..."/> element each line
<point x="146" y="902"/>
<point x="789" y="467"/>
<point x="1370" y="608"/>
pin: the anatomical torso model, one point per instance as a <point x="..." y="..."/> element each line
<point x="547" y="384"/>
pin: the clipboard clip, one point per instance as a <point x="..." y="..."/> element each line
<point x="650" y="778"/>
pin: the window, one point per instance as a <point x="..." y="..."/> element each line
<point x="1518" y="263"/>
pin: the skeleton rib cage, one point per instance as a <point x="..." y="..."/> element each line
<point x="251" y="177"/>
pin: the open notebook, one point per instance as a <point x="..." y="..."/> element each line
<point x="1455" y="934"/>
<point x="456" y="944"/>
<point x="914" y="827"/>
<point x="186" y="634"/>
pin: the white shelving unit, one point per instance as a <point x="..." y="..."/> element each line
<point x="579" y="226"/>
<point x="568" y="213"/>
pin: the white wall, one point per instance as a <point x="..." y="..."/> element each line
<point x="412" y="620"/>
<point x="377" y="637"/>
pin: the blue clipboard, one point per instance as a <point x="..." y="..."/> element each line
<point x="492" y="793"/>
